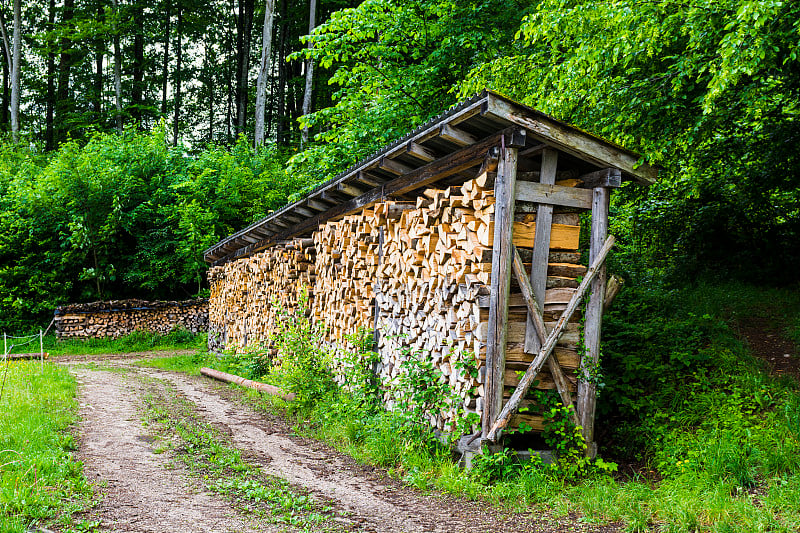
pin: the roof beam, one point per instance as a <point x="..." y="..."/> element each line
<point x="459" y="161"/>
<point x="569" y="139"/>
<point x="457" y="136"/>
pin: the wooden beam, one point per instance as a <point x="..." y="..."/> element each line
<point x="395" y="167"/>
<point x="536" y="365"/>
<point x="541" y="246"/>
<point x="500" y="286"/>
<point x="587" y="390"/>
<point x="420" y="152"/>
<point x="456" y="136"/>
<point x="533" y="150"/>
<point x="569" y="139"/>
<point x="348" y="189"/>
<point x="303" y="211"/>
<point x="535" y="311"/>
<point x="608" y="177"/>
<point x="316" y="205"/>
<point x="369" y="179"/>
<point x="528" y="191"/>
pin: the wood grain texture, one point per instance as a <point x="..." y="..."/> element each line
<point x="587" y="391"/>
<point x="501" y="284"/>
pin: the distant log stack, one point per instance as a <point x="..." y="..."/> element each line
<point x="116" y="318"/>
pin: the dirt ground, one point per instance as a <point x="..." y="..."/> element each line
<point x="145" y="489"/>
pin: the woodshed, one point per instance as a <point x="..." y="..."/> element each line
<point x="459" y="241"/>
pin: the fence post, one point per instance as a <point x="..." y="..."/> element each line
<point x="41" y="349"/>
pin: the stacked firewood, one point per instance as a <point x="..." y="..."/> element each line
<point x="418" y="271"/>
<point x="122" y="317"/>
<point x="434" y="281"/>
<point x="347" y="262"/>
<point x="249" y="295"/>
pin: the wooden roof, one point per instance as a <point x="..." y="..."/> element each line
<point x="447" y="150"/>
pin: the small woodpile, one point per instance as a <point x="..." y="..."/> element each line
<point x="121" y="317"/>
<point x="248" y="294"/>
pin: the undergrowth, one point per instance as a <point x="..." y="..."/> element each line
<point x="712" y="442"/>
<point x="138" y="341"/>
<point x="40" y="483"/>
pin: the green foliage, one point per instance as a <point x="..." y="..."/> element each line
<point x="395" y="65"/>
<point x="303" y="366"/>
<point x="706" y="89"/>
<point x="121" y="216"/>
<point x="39" y="480"/>
<point x="358" y="370"/>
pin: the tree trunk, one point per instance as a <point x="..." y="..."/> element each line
<point x="98" y="80"/>
<point x="63" y="101"/>
<point x="6" y="88"/>
<point x="178" y="57"/>
<point x="312" y="18"/>
<point x="280" y="126"/>
<point x="243" y="42"/>
<point x="210" y="83"/>
<point x="229" y="76"/>
<point x="117" y="67"/>
<point x="15" y="63"/>
<point x="137" y="88"/>
<point x="263" y="74"/>
<point x="49" y="135"/>
<point x="165" y="69"/>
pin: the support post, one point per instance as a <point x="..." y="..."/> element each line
<point x="504" y="193"/>
<point x="541" y="247"/>
<point x="587" y="390"/>
<point x="41" y="350"/>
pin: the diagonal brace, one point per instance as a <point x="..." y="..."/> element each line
<point x="536" y="365"/>
<point x="535" y="312"/>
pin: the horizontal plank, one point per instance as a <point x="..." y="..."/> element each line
<point x="553" y="194"/>
<point x="568" y="358"/>
<point x="562" y="236"/>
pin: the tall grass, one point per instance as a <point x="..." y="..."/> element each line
<point x="40" y="482"/>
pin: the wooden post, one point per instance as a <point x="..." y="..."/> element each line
<point x="541" y="247"/>
<point x="587" y="390"/>
<point x="504" y="192"/>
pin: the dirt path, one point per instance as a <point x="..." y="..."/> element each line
<point x="143" y="495"/>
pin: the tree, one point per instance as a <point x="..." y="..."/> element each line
<point x="263" y="74"/>
<point x="309" y="71"/>
<point x="13" y="56"/>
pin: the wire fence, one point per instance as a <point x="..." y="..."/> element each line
<point x="12" y="342"/>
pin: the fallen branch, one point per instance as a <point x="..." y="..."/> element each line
<point x="262" y="387"/>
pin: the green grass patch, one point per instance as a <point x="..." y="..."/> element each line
<point x="188" y="363"/>
<point x="211" y="458"/>
<point x="139" y="341"/>
<point x="40" y="483"/>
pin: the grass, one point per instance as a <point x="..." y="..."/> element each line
<point x="719" y="439"/>
<point x="40" y="483"/>
<point x="211" y="458"/>
<point x="135" y="342"/>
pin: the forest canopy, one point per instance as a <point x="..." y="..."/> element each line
<point x="133" y="149"/>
